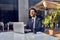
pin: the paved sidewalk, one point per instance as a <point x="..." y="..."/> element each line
<point x="56" y="32"/>
<point x="28" y="36"/>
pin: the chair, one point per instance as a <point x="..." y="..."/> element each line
<point x="9" y="23"/>
<point x="2" y="24"/>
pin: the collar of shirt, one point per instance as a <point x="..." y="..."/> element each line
<point x="34" y="17"/>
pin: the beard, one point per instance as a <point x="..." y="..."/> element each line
<point x="33" y="15"/>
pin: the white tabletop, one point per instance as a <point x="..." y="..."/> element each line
<point x="28" y="36"/>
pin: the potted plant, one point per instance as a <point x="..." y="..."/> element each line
<point x="50" y="19"/>
<point x="48" y="22"/>
<point x="51" y="28"/>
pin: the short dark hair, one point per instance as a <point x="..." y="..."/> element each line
<point x="33" y="9"/>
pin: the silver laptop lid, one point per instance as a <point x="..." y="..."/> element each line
<point x="18" y="27"/>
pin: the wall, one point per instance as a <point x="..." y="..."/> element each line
<point x="23" y="10"/>
<point x="8" y="10"/>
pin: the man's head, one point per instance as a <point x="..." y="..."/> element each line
<point x="32" y="12"/>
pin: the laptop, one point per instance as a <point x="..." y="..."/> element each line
<point x="18" y="27"/>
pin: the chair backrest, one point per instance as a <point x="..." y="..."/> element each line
<point x="1" y="23"/>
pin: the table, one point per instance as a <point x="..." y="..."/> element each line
<point x="27" y="36"/>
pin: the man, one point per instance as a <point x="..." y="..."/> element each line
<point x="34" y="22"/>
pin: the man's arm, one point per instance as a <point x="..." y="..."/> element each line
<point x="26" y="29"/>
<point x="40" y="27"/>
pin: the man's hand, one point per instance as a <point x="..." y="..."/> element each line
<point x="27" y="30"/>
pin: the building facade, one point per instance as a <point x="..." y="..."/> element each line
<point x="16" y="10"/>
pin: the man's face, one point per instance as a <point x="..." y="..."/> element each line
<point x="32" y="13"/>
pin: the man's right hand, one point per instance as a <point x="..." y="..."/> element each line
<point x="27" y="30"/>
